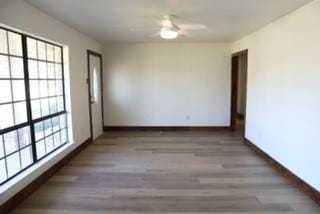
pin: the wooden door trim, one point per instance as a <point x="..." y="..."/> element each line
<point x="93" y="53"/>
<point x="240" y="53"/>
<point x="234" y="86"/>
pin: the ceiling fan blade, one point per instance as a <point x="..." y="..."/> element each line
<point x="155" y="35"/>
<point x="144" y="29"/>
<point x="193" y="27"/>
<point x="184" y="34"/>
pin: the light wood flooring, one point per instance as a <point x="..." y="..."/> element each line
<point x="167" y="172"/>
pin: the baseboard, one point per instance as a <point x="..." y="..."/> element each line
<point x="35" y="184"/>
<point x="166" y="128"/>
<point x="294" y="179"/>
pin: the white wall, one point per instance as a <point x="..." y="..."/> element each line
<point x="20" y="15"/>
<point x="283" y="91"/>
<point x="167" y="84"/>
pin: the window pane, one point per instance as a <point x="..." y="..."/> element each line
<point x="49" y="144"/>
<point x="38" y="128"/>
<point x="1" y="147"/>
<point x="41" y="150"/>
<point x="57" y="51"/>
<point x="44" y="107"/>
<point x="24" y="136"/>
<point x="11" y="142"/>
<point x="3" y="173"/>
<point x="59" y="87"/>
<point x="57" y="140"/>
<point x="55" y="124"/>
<point x="20" y="111"/>
<point x="63" y="123"/>
<point x="33" y="69"/>
<point x="95" y="86"/>
<point x="13" y="164"/>
<point x="58" y="69"/>
<point x="3" y="42"/>
<point x="32" y="48"/>
<point x="5" y="89"/>
<point x="47" y="127"/>
<point x="42" y="70"/>
<point x="16" y="67"/>
<point x="50" y="52"/>
<point x="43" y="88"/>
<point x="41" y="50"/>
<point x="34" y="89"/>
<point x="26" y="157"/>
<point x="64" y="136"/>
<point x="18" y="90"/>
<point x="15" y="44"/>
<point x="6" y="116"/>
<point x="60" y="104"/>
<point x="4" y="67"/>
<point x="51" y="74"/>
<point x="53" y="105"/>
<point x="36" y="109"/>
<point x="52" y="87"/>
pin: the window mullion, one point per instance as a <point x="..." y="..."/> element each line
<point x="63" y="84"/>
<point x="28" y="98"/>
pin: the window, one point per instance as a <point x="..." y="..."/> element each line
<point x="33" y="121"/>
<point x="95" y="86"/>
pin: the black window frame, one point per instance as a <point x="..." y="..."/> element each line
<point x="30" y="121"/>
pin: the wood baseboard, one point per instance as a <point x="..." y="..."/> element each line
<point x="35" y="184"/>
<point x="295" y="180"/>
<point x="166" y="128"/>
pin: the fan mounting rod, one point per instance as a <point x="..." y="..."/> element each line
<point x="168" y="23"/>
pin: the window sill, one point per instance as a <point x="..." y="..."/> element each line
<point x="27" y="176"/>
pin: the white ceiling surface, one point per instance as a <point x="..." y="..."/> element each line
<point x="113" y="20"/>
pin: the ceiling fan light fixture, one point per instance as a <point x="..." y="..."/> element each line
<point x="167" y="33"/>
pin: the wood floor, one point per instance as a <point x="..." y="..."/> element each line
<point x="168" y="172"/>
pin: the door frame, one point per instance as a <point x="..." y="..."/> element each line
<point x="235" y="86"/>
<point x="93" y="53"/>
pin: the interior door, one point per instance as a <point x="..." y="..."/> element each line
<point x="95" y="94"/>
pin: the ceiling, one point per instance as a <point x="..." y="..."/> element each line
<point x="113" y="20"/>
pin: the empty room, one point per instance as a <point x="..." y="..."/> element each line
<point x="159" y="106"/>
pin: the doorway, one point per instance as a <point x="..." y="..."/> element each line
<point x="239" y="90"/>
<point x="95" y="91"/>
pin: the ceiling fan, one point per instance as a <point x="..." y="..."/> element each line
<point x="168" y="29"/>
